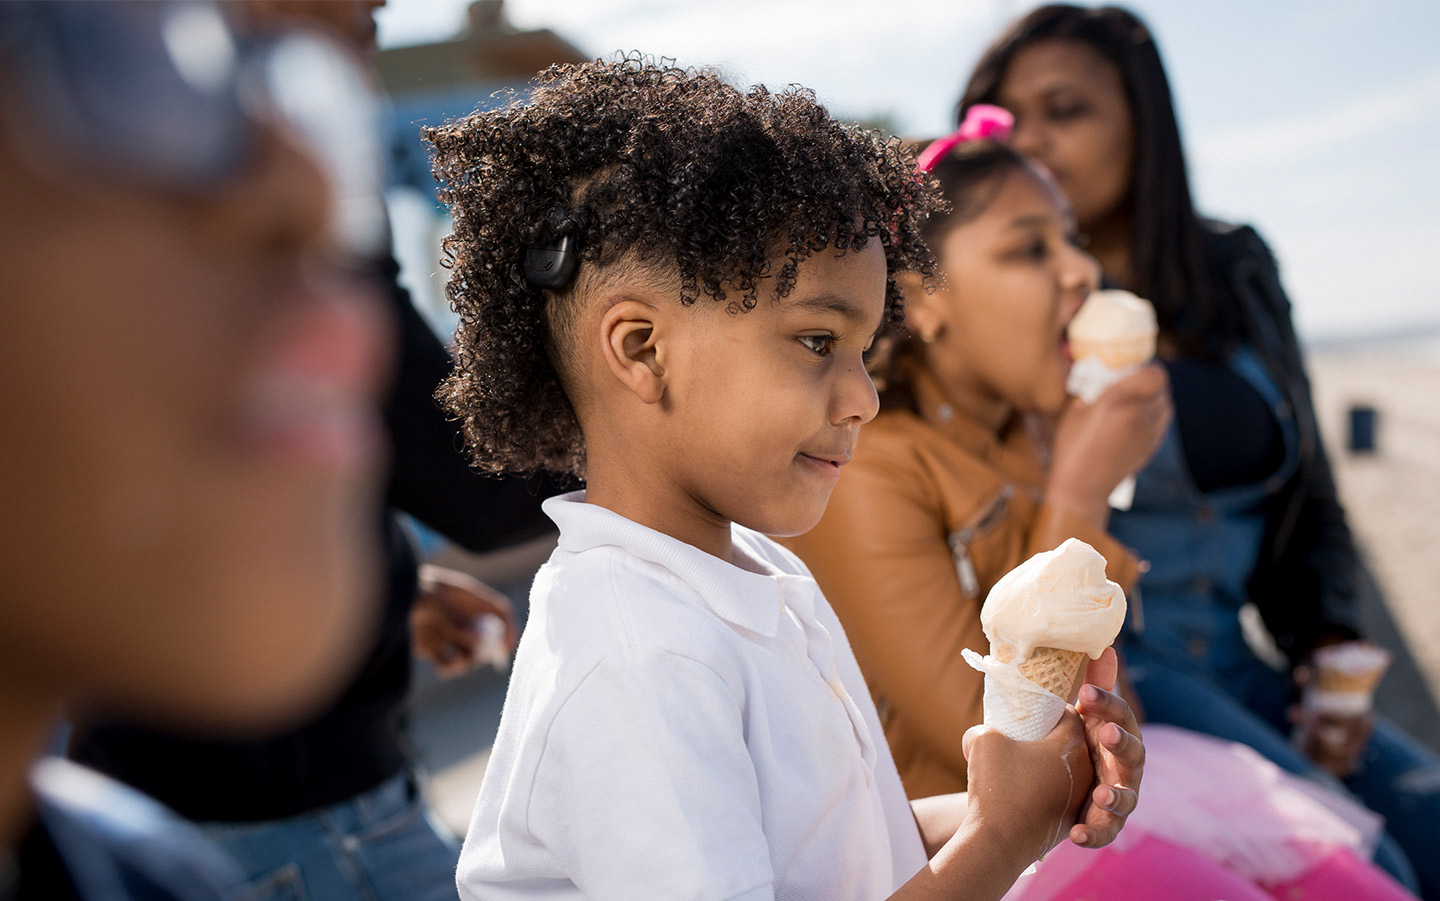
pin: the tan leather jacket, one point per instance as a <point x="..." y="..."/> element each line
<point x="931" y="511"/>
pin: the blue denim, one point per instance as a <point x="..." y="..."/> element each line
<point x="380" y="846"/>
<point x="1192" y="667"/>
<point x="116" y="844"/>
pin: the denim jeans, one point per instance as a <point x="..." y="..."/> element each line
<point x="1397" y="777"/>
<point x="379" y="846"/>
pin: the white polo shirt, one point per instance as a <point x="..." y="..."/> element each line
<point x="680" y="727"/>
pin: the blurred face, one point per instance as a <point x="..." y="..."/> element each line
<point x="1013" y="282"/>
<point x="768" y="402"/>
<point x="351" y="20"/>
<point x="189" y="442"/>
<point x="1072" y="116"/>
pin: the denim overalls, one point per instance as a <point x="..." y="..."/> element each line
<point x="1202" y="548"/>
<point x="1186" y="653"/>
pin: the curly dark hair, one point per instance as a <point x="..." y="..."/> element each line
<point x="642" y="161"/>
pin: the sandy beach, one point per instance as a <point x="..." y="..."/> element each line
<point x="1392" y="496"/>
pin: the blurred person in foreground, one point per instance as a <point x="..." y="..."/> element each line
<point x="190" y="451"/>
<point x="333" y="807"/>
<point x="1239" y="505"/>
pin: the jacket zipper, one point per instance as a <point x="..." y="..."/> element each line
<point x="961" y="539"/>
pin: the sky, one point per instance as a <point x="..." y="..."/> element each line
<point x="1317" y="121"/>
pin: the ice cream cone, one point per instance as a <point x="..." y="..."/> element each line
<point x="1345" y="677"/>
<point x="1053" y="669"/>
<point x="1042" y="620"/>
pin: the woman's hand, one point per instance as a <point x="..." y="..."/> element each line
<point x="1116" y="752"/>
<point x="1332" y="741"/>
<point x="1098" y="445"/>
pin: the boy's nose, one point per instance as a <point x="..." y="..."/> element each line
<point x="857" y="401"/>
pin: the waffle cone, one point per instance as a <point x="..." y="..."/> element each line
<point x="1116" y="353"/>
<point x="1052" y="669"/>
<point x="1327" y="679"/>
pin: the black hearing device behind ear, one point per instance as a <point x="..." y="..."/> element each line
<point x="551" y="265"/>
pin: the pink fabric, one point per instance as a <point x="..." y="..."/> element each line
<point x="1218" y="821"/>
<point x="1342" y="877"/>
<point x="1224" y="799"/>
<point x="1151" y="869"/>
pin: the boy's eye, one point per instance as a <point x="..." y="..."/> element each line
<point x="819" y="345"/>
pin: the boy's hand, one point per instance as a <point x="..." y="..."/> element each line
<point x="1116" y="752"/>
<point x="1028" y="793"/>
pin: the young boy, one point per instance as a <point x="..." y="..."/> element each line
<point x="669" y="287"/>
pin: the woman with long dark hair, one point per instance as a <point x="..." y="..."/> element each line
<point x="1239" y="506"/>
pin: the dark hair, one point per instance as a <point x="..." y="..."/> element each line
<point x="1166" y="240"/>
<point x="968" y="178"/>
<point x="673" y="168"/>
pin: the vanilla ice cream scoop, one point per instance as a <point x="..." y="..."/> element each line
<point x="1115" y="326"/>
<point x="1111" y="335"/>
<point x="1058" y="599"/>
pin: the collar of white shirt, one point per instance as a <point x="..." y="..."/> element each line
<point x="730" y="590"/>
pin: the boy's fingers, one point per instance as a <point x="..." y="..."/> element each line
<point x="1127" y="749"/>
<point x="1105" y="816"/>
<point x="1103" y="671"/>
<point x="1115" y="800"/>
<point x="1098" y="704"/>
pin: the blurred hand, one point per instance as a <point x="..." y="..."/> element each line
<point x="1098" y="445"/>
<point x="444" y="620"/>
<point x="1333" y="742"/>
<point x="1116" y="752"/>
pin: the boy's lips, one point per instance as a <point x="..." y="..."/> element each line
<point x="832" y="459"/>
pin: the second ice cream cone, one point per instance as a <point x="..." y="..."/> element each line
<point x="1120" y="353"/>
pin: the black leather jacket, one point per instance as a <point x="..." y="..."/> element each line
<point x="1310" y="578"/>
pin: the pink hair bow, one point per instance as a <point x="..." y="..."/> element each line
<point x="983" y="120"/>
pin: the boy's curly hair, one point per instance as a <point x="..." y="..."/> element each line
<point x="638" y="160"/>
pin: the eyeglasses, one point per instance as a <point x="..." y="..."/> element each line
<point x="165" y="95"/>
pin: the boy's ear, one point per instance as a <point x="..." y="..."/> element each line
<point x="630" y="333"/>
